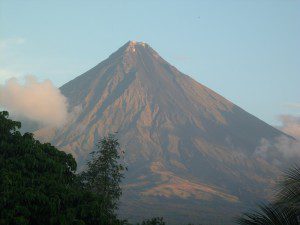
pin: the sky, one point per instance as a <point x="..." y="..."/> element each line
<point x="246" y="50"/>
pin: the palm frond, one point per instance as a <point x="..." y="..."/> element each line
<point x="270" y="214"/>
<point x="289" y="188"/>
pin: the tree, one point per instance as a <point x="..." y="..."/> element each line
<point x="271" y="214"/>
<point x="289" y="189"/>
<point x="104" y="174"/>
<point x="154" y="221"/>
<point x="38" y="184"/>
<point x="284" y="210"/>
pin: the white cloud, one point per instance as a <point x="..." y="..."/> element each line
<point x="33" y="100"/>
<point x="287" y="146"/>
<point x="290" y="148"/>
<point x="290" y="125"/>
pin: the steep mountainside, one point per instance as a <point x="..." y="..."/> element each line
<point x="191" y="153"/>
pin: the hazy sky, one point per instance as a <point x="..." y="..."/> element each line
<point x="246" y="50"/>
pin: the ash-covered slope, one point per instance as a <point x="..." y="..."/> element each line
<point x="190" y="152"/>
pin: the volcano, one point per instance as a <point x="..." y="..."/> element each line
<point x="191" y="153"/>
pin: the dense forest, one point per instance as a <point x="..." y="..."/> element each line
<point x="39" y="185"/>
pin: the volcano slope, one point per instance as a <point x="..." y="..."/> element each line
<point x="193" y="156"/>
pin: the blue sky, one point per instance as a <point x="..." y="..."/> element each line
<point x="246" y="50"/>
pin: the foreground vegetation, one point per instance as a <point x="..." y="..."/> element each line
<point x="285" y="210"/>
<point x="39" y="185"/>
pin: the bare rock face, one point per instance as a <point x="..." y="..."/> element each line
<point x="190" y="152"/>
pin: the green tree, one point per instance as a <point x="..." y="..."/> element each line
<point x="284" y="210"/>
<point x="38" y="184"/>
<point x="104" y="174"/>
<point x="154" y="221"/>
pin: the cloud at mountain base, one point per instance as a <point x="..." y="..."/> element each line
<point x="289" y="147"/>
<point x="37" y="101"/>
<point x="290" y="125"/>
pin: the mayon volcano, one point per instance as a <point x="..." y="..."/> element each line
<point x="192" y="155"/>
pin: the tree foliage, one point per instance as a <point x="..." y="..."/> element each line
<point x="289" y="189"/>
<point x="104" y="173"/>
<point x="38" y="184"/>
<point x="153" y="221"/>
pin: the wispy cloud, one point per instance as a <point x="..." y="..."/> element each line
<point x="290" y="125"/>
<point x="9" y="58"/>
<point x="182" y="57"/>
<point x="37" y="101"/>
<point x="8" y="42"/>
<point x="6" y="74"/>
<point x="289" y="147"/>
<point x="293" y="105"/>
